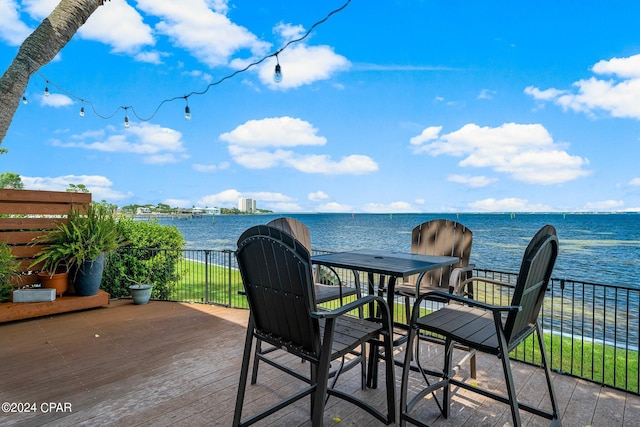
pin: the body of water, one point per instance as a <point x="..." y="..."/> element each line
<point x="600" y="248"/>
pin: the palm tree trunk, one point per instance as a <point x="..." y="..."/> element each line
<point x="37" y="50"/>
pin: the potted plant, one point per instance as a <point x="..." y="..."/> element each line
<point x="140" y="292"/>
<point x="141" y="287"/>
<point x="9" y="271"/>
<point x="79" y="246"/>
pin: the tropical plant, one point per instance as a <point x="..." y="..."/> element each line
<point x="9" y="268"/>
<point x="85" y="236"/>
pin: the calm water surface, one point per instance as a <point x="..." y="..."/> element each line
<point x="600" y="248"/>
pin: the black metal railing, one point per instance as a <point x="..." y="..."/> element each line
<point x="591" y="330"/>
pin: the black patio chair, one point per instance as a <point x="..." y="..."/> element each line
<point x="440" y="237"/>
<point x="489" y="329"/>
<point x="277" y="276"/>
<point x="327" y="284"/>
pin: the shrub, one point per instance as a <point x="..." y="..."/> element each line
<point x="150" y="257"/>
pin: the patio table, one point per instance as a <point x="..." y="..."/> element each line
<point x="389" y="264"/>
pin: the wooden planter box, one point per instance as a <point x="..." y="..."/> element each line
<point x="32" y="214"/>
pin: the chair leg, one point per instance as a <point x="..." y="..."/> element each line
<point x="406" y="369"/>
<point x="472" y="365"/>
<point x="446" y="371"/>
<point x="372" y="377"/>
<point x="547" y="372"/>
<point x="322" y="375"/>
<point x="390" y="378"/>
<point x="256" y="359"/>
<point x="508" y="377"/>
<point x="244" y="373"/>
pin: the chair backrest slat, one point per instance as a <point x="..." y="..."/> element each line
<point x="533" y="279"/>
<point x="297" y="229"/>
<point x="442" y="237"/>
<point x="276" y="273"/>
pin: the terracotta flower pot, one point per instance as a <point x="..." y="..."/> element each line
<point x="57" y="281"/>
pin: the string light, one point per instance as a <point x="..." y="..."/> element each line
<point x="187" y="111"/>
<point x="277" y="75"/>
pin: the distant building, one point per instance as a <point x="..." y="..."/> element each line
<point x="246" y="205"/>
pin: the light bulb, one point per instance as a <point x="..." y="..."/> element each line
<point x="187" y="113"/>
<point x="82" y="112"/>
<point x="277" y="75"/>
<point x="46" y="90"/>
<point x="24" y="100"/>
<point x="126" y="121"/>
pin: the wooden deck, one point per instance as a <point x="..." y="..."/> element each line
<point x="178" y="364"/>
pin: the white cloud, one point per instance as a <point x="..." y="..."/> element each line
<point x="334" y="207"/>
<point x="12" y="29"/>
<point x="525" y="152"/>
<point x="486" y="94"/>
<point x="603" y="205"/>
<point x="116" y="23"/>
<point x="302" y="65"/>
<point x="39" y="9"/>
<point x="274" y="132"/>
<point x="207" y="34"/>
<point x="224" y="198"/>
<point x="210" y="168"/>
<point x="158" y="144"/>
<point x="471" y="181"/>
<point x="266" y="196"/>
<point x="318" y="196"/>
<point x="388" y="208"/>
<point x="100" y="187"/>
<point x="119" y="25"/>
<point x="635" y="182"/>
<point x="283" y="207"/>
<point x="428" y="134"/>
<point x="257" y="144"/>
<point x="55" y="100"/>
<point x="508" y="205"/>
<point x="617" y="95"/>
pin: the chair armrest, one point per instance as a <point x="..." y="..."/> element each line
<point x="467" y="284"/>
<point x="439" y="295"/>
<point x="455" y="285"/>
<point x="343" y="309"/>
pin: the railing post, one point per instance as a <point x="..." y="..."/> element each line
<point x="229" y="257"/>
<point x="206" y="277"/>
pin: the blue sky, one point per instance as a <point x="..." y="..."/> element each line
<point x="388" y="106"/>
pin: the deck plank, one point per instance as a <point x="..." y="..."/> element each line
<point x="178" y="364"/>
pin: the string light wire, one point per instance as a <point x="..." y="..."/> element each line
<point x="131" y="108"/>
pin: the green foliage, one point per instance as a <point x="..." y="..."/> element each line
<point x="11" y="180"/>
<point x="80" y="188"/>
<point x="83" y="237"/>
<point x="9" y="268"/>
<point x="152" y="257"/>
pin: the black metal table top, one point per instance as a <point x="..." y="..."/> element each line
<point x="389" y="263"/>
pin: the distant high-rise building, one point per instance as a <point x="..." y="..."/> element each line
<point x="246" y="205"/>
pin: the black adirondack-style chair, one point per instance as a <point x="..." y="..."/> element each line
<point x="490" y="329"/>
<point x="440" y="237"/>
<point x="277" y="276"/>
<point x="325" y="292"/>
